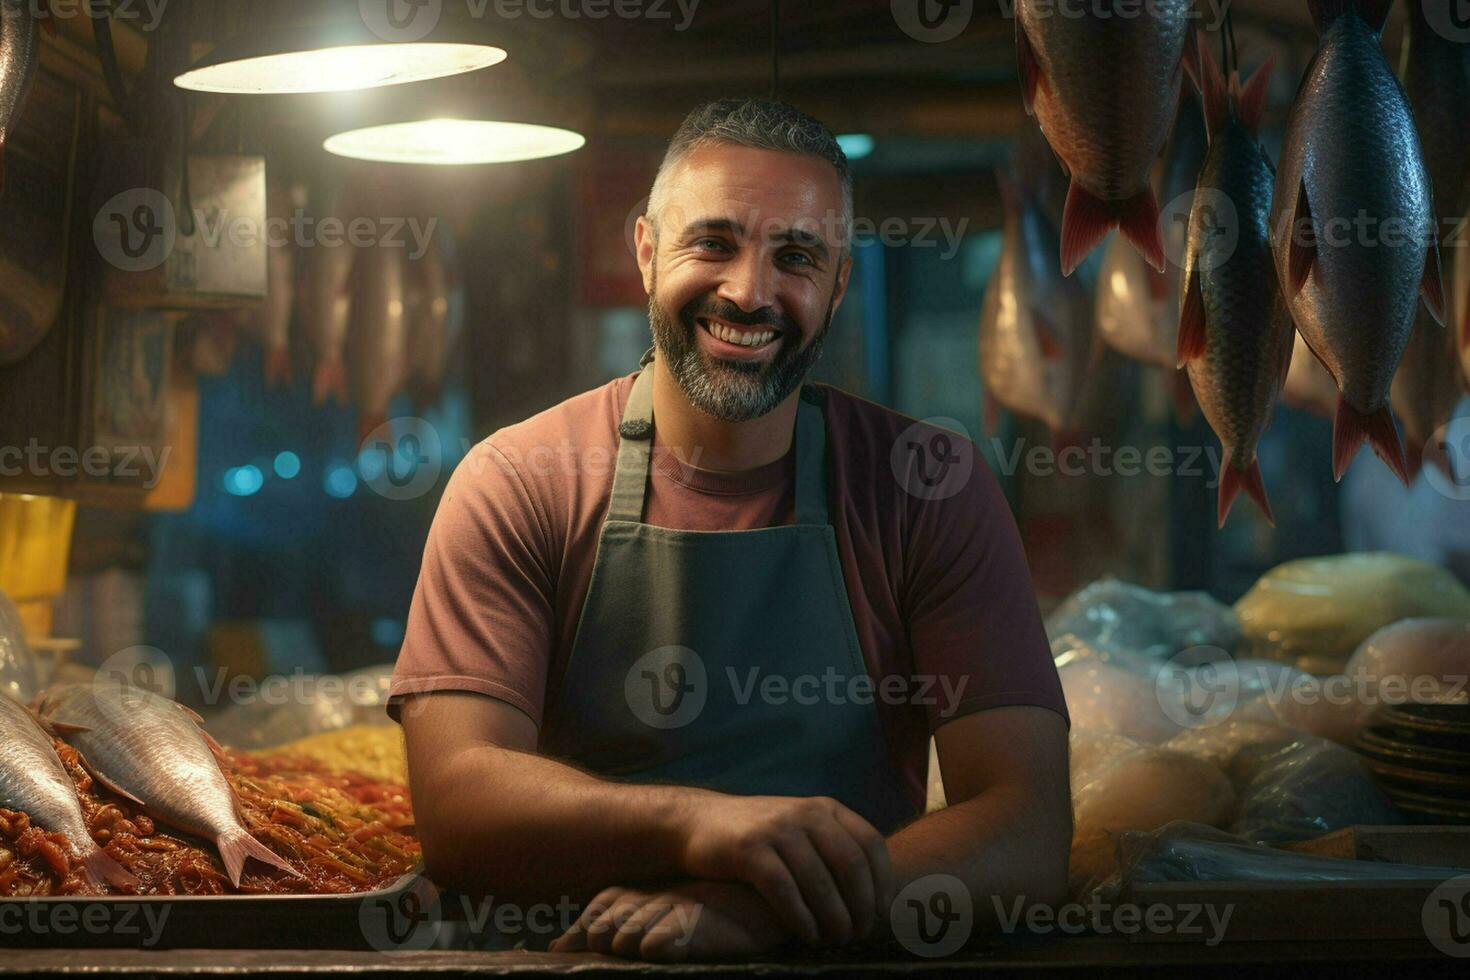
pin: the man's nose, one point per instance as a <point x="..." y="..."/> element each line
<point x="750" y="281"/>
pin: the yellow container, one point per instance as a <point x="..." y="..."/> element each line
<point x="35" y="540"/>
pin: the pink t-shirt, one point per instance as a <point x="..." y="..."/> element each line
<point x="937" y="580"/>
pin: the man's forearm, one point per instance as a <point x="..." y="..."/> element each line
<point x="1000" y="844"/>
<point x="530" y="826"/>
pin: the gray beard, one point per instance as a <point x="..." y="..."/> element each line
<point x="731" y="391"/>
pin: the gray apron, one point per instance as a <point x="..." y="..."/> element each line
<point x="724" y="659"/>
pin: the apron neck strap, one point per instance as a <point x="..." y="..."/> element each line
<point x="635" y="455"/>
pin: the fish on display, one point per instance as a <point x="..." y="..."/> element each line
<point x="271" y="321"/>
<point x="1351" y="151"/>
<point x="327" y="309"/>
<point x="427" y="297"/>
<point x="379" y="334"/>
<point x="20" y="51"/>
<point x="1235" y="334"/>
<point x="1036" y="334"/>
<point x="34" y="781"/>
<point x="1436" y="77"/>
<point x="1105" y="89"/>
<point x="153" y="751"/>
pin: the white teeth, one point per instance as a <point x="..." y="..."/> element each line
<point x="739" y="338"/>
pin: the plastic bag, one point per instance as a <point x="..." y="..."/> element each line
<point x="1187" y="851"/>
<point x="293" y="708"/>
<point x="1218" y="745"/>
<point x="367" y="689"/>
<point x="17" y="662"/>
<point x="1414" y="660"/>
<point x="1302" y="789"/>
<point x="1104" y="697"/>
<point x="1314" y="612"/>
<point x="1142" y="789"/>
<point x="1120" y="616"/>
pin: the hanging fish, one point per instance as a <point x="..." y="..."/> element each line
<point x="1105" y="89"/>
<point x="1461" y="285"/>
<point x="1436" y="77"/>
<point x="326" y="307"/>
<point x="20" y="51"/>
<point x="427" y="297"/>
<point x="1235" y="333"/>
<point x="1351" y="153"/>
<point x="1036" y="337"/>
<point x="379" y="334"/>
<point x="271" y="321"/>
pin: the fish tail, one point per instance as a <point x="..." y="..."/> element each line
<point x="277" y="368"/>
<point x="237" y="845"/>
<point x="330" y="381"/>
<point x="1087" y="219"/>
<point x="102" y="869"/>
<point x="1352" y="427"/>
<point x="1234" y="479"/>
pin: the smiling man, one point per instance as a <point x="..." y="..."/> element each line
<point x="696" y="685"/>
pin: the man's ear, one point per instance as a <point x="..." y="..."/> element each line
<point x="844" y="271"/>
<point x="645" y="242"/>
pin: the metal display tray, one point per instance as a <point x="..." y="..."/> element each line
<point x="198" y="921"/>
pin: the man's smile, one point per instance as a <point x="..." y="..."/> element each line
<point x="731" y="339"/>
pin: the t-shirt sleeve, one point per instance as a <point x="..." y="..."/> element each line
<point x="482" y="612"/>
<point x="974" y="623"/>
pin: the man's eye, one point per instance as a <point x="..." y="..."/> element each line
<point x="801" y="258"/>
<point x="711" y="243"/>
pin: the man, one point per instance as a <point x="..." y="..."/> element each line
<point x="697" y="685"/>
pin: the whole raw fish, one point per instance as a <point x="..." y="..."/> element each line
<point x="326" y="308"/>
<point x="33" y="780"/>
<point x="271" y="322"/>
<point x="1352" y="224"/>
<point x="379" y="334"/>
<point x="1035" y="325"/>
<point x="1103" y="81"/>
<point x="1235" y="333"/>
<point x="427" y="297"/>
<point x="153" y="751"/>
<point x="1436" y="77"/>
<point x="20" y="49"/>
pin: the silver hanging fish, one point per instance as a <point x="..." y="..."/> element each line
<point x="20" y="50"/>
<point x="1352" y="157"/>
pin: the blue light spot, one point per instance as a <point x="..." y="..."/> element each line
<point x="372" y="461"/>
<point x="387" y="632"/>
<point x="341" y="482"/>
<point x="244" y="481"/>
<point x="855" y="145"/>
<point x="287" y="465"/>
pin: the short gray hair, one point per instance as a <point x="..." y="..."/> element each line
<point x="763" y="125"/>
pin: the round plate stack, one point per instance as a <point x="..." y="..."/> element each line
<point x="1420" y="756"/>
